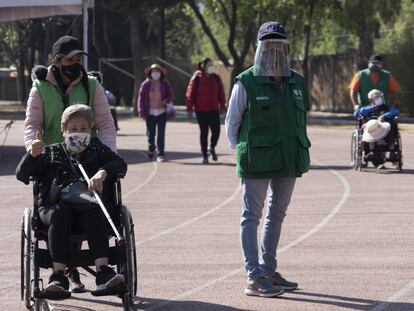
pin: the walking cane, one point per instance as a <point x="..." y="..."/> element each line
<point x="98" y="198"/>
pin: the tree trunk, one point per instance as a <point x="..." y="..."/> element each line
<point x="307" y="33"/>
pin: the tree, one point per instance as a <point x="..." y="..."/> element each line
<point x="240" y="21"/>
<point x="363" y="18"/>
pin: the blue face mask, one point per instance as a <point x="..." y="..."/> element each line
<point x="374" y="67"/>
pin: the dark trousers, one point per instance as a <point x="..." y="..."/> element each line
<point x="206" y="120"/>
<point x="62" y="219"/>
<point x="156" y="124"/>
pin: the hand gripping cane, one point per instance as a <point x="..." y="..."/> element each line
<point x="103" y="208"/>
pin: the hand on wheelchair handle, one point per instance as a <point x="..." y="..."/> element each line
<point x="356" y="107"/>
<point x="96" y="182"/>
<point x="37" y="146"/>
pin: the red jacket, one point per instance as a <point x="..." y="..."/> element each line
<point x="205" y="93"/>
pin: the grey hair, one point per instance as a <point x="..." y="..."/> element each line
<point x="77" y="111"/>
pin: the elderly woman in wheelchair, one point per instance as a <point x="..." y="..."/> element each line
<point x="377" y="123"/>
<point x="66" y="199"/>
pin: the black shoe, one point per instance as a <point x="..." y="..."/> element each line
<point x="74" y="279"/>
<point x="107" y="278"/>
<point x="262" y="287"/>
<point x="213" y="154"/>
<point x="58" y="282"/>
<point x="277" y="280"/>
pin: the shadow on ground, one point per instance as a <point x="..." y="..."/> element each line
<point x="345" y="302"/>
<point x="148" y="304"/>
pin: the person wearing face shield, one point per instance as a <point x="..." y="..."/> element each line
<point x="266" y="125"/>
<point x="62" y="84"/>
<point x="205" y="95"/>
<point x="155" y="93"/>
<point x="373" y="77"/>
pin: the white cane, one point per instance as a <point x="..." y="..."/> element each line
<point x="98" y="198"/>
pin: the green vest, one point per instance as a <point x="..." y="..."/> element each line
<point x="366" y="85"/>
<point x="272" y="139"/>
<point x="53" y="106"/>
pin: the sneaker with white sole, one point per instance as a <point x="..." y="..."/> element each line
<point x="76" y="284"/>
<point x="107" y="278"/>
<point x="262" y="287"/>
<point x="58" y="282"/>
<point x="277" y="279"/>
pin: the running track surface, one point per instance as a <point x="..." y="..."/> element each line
<point x="347" y="239"/>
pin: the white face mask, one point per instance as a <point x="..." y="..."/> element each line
<point x="155" y="75"/>
<point x="77" y="142"/>
<point x="210" y="69"/>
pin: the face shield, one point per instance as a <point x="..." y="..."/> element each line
<point x="272" y="58"/>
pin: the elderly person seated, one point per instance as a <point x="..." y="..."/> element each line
<point x="380" y="126"/>
<point x="55" y="168"/>
<point x="378" y="108"/>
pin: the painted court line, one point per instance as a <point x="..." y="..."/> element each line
<point x="319" y="226"/>
<point x="402" y="292"/>
<point x="146" y="181"/>
<point x="194" y="219"/>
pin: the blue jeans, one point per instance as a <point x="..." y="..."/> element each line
<point x="254" y="194"/>
<point x="156" y="124"/>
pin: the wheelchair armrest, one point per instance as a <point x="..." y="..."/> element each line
<point x="120" y="176"/>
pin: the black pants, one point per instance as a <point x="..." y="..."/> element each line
<point x="62" y="219"/>
<point x="154" y="124"/>
<point x="206" y="120"/>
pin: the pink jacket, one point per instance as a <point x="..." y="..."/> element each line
<point x="103" y="119"/>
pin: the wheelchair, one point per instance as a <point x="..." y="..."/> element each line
<point x="34" y="256"/>
<point x="391" y="148"/>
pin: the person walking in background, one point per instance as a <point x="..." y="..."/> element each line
<point x="205" y="94"/>
<point x="374" y="77"/>
<point x="266" y="124"/>
<point x="154" y="95"/>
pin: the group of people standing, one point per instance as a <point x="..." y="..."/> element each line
<point x="205" y="94"/>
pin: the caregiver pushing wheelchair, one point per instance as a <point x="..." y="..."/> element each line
<point x="73" y="196"/>
<point x="376" y="139"/>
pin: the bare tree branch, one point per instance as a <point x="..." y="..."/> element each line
<point x="208" y="32"/>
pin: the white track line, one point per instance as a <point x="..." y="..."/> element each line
<point x="147" y="180"/>
<point x="319" y="226"/>
<point x="194" y="219"/>
<point x="402" y="292"/>
<point x="10" y="236"/>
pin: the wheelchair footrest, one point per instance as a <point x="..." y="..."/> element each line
<point x="109" y="292"/>
<point x="53" y="295"/>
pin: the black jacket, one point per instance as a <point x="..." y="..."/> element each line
<point x="53" y="163"/>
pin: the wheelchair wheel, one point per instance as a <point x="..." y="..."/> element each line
<point x="356" y="152"/>
<point x="26" y="259"/>
<point x="130" y="270"/>
<point x="400" y="156"/>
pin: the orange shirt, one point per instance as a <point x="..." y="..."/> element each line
<point x="392" y="83"/>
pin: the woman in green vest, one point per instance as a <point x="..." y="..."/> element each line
<point x="266" y="124"/>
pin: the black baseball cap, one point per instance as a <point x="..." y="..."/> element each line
<point x="375" y="57"/>
<point x="271" y="30"/>
<point x="67" y="46"/>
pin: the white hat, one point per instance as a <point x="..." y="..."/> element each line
<point x="375" y="130"/>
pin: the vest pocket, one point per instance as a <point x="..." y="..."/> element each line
<point x="265" y="151"/>
<point x="300" y="112"/>
<point x="241" y="156"/>
<point x="302" y="153"/>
